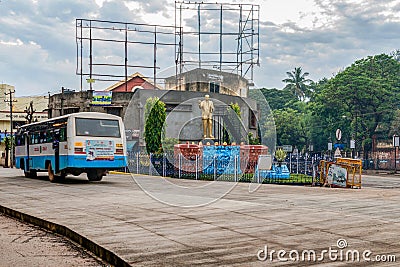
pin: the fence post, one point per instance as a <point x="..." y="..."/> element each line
<point x="137" y="163"/>
<point x="179" y="165"/>
<point x="290" y="163"/>
<point x="305" y="165"/>
<point x="164" y="165"/>
<point x="150" y="164"/>
<point x="235" y="168"/>
<point x="215" y="167"/>
<point x="297" y="167"/>
<point x="313" y="170"/>
<point x="196" y="166"/>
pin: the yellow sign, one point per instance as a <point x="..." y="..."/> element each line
<point x="102" y="98"/>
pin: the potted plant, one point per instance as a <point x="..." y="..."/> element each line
<point x="280" y="156"/>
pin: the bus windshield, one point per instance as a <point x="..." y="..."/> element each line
<point x="97" y="127"/>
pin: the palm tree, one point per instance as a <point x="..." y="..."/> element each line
<point x="297" y="83"/>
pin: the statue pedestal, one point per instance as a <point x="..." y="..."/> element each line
<point x="209" y="141"/>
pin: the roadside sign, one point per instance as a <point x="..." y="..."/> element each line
<point x="352" y="143"/>
<point x="337" y="153"/>
<point x="287" y="148"/>
<point x="396" y="140"/>
<point x="330" y="146"/>
<point x="338" y="134"/>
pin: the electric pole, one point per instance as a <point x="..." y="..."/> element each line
<point x="29" y="112"/>
<point x="10" y="102"/>
<point x="62" y="101"/>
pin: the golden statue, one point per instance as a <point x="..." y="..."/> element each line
<point x="207" y="108"/>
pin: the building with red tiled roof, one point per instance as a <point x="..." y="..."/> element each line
<point x="134" y="81"/>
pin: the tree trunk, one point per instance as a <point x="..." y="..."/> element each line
<point x="6" y="159"/>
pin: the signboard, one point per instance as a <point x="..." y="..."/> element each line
<point x="99" y="150"/>
<point x="215" y="77"/>
<point x="337" y="175"/>
<point x="132" y="133"/>
<point x="101" y="98"/>
<point x="287" y="148"/>
<point x="338" y="134"/>
<point x="330" y="146"/>
<point x="396" y="140"/>
<point x="264" y="162"/>
<point x="337" y="153"/>
<point x="340" y="146"/>
<point x="352" y="143"/>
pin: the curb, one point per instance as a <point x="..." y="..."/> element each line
<point x="105" y="254"/>
<point x="117" y="172"/>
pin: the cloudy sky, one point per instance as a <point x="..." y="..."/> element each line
<point x="38" y="49"/>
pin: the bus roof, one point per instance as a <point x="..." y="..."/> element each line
<point x="78" y="114"/>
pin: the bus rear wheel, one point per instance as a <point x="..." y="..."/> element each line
<point x="30" y="174"/>
<point x="94" y="175"/>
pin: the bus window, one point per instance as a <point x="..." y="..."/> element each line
<point x="49" y="137"/>
<point x="97" y="127"/>
<point x="20" y="140"/>
<point x="42" y="137"/>
<point x="34" y="138"/>
<point x="63" y="134"/>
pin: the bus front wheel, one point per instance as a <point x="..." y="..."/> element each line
<point x="95" y="175"/>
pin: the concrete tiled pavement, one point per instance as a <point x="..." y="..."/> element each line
<point x="119" y="216"/>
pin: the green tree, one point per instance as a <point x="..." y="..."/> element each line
<point x="297" y="83"/>
<point x="290" y="127"/>
<point x="278" y="99"/>
<point x="154" y="129"/>
<point x="232" y="131"/>
<point x="360" y="99"/>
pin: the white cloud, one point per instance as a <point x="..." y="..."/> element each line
<point x="37" y="40"/>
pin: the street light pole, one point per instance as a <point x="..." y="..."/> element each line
<point x="10" y="102"/>
<point x="396" y="143"/>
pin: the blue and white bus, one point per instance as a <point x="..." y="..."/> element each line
<point x="85" y="142"/>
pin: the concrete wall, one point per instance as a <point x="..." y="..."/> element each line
<point x="184" y="121"/>
<point x="183" y="117"/>
<point x="198" y="80"/>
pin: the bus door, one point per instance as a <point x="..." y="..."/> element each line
<point x="28" y="161"/>
<point x="56" y="147"/>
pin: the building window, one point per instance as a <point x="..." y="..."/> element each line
<point x="214" y="87"/>
<point x="252" y="120"/>
<point x="70" y="111"/>
<point x="114" y="111"/>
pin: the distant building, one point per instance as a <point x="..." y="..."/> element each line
<point x="19" y="114"/>
<point x="18" y="108"/>
<point x="135" y="81"/>
<point x="207" y="80"/>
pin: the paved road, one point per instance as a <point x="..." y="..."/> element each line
<point x="26" y="245"/>
<point x="383" y="181"/>
<point x="117" y="214"/>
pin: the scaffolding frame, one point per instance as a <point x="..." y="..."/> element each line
<point x="241" y="60"/>
<point x="92" y="31"/>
